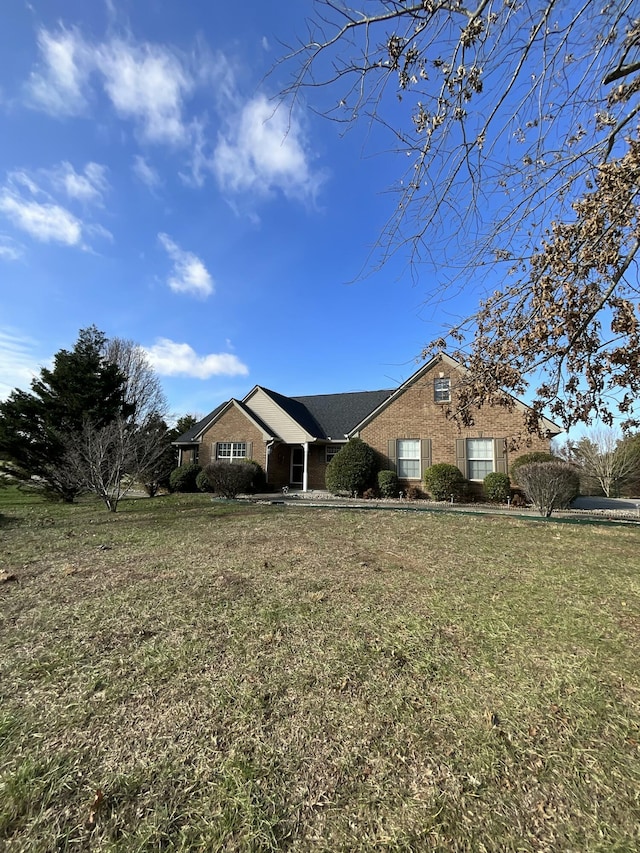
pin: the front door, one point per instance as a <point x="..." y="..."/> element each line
<point x="297" y="466"/>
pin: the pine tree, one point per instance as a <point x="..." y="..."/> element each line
<point x="35" y="427"/>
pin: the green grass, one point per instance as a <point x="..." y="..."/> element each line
<point x="255" y="678"/>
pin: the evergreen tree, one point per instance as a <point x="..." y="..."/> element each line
<point x="35" y="427"/>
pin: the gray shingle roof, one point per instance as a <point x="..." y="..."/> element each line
<point x="338" y="414"/>
<point x="324" y="416"/>
<point x="189" y="437"/>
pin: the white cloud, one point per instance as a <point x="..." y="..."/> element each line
<point x="189" y="274"/>
<point x="148" y="84"/>
<point x="46" y="222"/>
<point x="33" y="209"/>
<point x="146" y="173"/>
<point x="265" y="149"/>
<point x="260" y="149"/>
<point x="89" y="186"/>
<point x="173" y="359"/>
<point x="58" y="86"/>
<point x="9" y="249"/>
<point x="145" y="83"/>
<point x="19" y="364"/>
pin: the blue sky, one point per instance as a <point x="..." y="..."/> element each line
<point x="149" y="186"/>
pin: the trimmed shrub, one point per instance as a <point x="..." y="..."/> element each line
<point x="258" y="479"/>
<point x="183" y="479"/>
<point x="353" y="469"/>
<point x="497" y="487"/>
<point x="443" y="480"/>
<point x="388" y="484"/>
<point x="528" y="459"/>
<point x="549" y="485"/>
<point x="202" y="482"/>
<point x="230" y="479"/>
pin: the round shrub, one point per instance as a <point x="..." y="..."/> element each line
<point x="183" y="479"/>
<point x="497" y="487"/>
<point x="528" y="459"/>
<point x="202" y="482"/>
<point x="388" y="484"/>
<point x="230" y="479"/>
<point x="258" y="478"/>
<point x="353" y="469"/>
<point x="443" y="480"/>
<point x="550" y="485"/>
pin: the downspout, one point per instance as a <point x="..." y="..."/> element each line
<point x="267" y="457"/>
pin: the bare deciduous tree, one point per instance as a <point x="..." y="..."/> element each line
<point x="143" y="394"/>
<point x="107" y="460"/>
<point x="549" y="485"/>
<point x="604" y="456"/>
<point x="520" y="122"/>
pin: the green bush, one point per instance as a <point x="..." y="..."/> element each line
<point x="388" y="484"/>
<point x="353" y="469"/>
<point x="258" y="479"/>
<point x="528" y="459"/>
<point x="497" y="487"/>
<point x="183" y="479"/>
<point x="230" y="479"/>
<point x="202" y="482"/>
<point x="443" y="480"/>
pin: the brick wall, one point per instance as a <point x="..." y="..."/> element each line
<point x="233" y="426"/>
<point x="416" y="415"/>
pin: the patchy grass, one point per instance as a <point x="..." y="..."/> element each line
<point x="255" y="678"/>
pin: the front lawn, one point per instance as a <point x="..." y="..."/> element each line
<point x="202" y="676"/>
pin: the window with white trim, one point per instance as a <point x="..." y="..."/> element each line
<point x="229" y="451"/>
<point x="479" y="458"/>
<point x="442" y="389"/>
<point x="331" y="450"/>
<point x="408" y="458"/>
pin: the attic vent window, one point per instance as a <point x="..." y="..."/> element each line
<point x="442" y="390"/>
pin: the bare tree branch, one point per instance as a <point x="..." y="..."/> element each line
<point x="521" y="125"/>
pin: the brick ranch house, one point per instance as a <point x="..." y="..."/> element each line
<point x="294" y="438"/>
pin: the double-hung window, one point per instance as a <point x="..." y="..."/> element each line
<point x="230" y="451"/>
<point x="408" y="458"/>
<point x="479" y="458"/>
<point x="442" y="390"/>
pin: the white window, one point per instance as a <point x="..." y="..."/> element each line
<point x="442" y="390"/>
<point x="408" y="458"/>
<point x="228" y="451"/>
<point x="331" y="450"/>
<point x="479" y="458"/>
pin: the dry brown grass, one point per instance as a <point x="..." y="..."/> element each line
<point x="260" y="678"/>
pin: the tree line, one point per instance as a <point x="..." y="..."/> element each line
<point x="96" y="421"/>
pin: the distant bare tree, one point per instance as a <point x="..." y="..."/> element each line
<point x="517" y="123"/>
<point x="143" y="393"/>
<point x="604" y="456"/>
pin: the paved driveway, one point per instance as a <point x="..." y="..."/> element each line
<point x="610" y="504"/>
